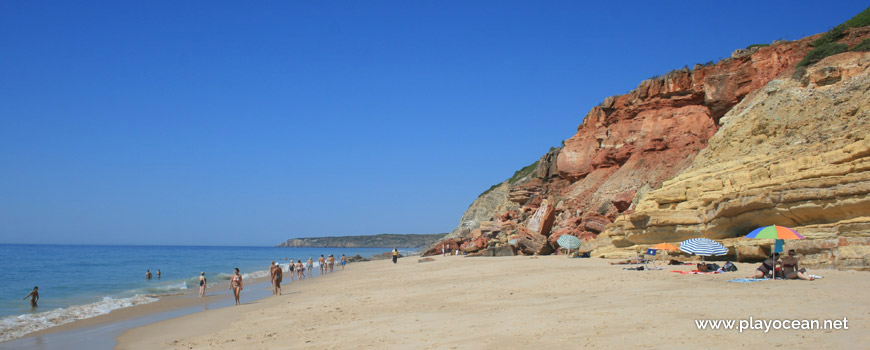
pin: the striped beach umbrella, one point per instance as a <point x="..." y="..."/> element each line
<point x="703" y="247"/>
<point x="568" y="242"/>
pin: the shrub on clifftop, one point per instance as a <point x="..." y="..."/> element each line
<point x="864" y="45"/>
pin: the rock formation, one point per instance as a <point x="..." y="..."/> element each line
<point x="710" y="151"/>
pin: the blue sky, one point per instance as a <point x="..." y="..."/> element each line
<point x="233" y="123"/>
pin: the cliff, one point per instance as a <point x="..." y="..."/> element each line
<point x="612" y="180"/>
<point x="373" y="241"/>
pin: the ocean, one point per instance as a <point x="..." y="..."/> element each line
<point x="77" y="282"/>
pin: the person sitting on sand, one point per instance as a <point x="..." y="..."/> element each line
<point x="202" y="283"/>
<point x="236" y="285"/>
<point x="764" y="271"/>
<point x="791" y="270"/>
<point x="34" y="297"/>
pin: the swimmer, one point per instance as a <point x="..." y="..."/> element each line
<point x="34" y="297"/>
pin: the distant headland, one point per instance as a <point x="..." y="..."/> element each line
<point x="373" y="241"/>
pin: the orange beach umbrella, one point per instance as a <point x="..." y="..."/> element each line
<point x="664" y="246"/>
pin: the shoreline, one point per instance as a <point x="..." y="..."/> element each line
<point x="166" y="307"/>
<point x="520" y="301"/>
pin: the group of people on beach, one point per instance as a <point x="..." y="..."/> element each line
<point x="298" y="270"/>
<point x="788" y="268"/>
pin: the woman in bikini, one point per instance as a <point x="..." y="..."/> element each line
<point x="791" y="270"/>
<point x="766" y="267"/>
<point x="236" y="285"/>
<point x="300" y="270"/>
<point x="202" y="283"/>
<point x="34" y="297"/>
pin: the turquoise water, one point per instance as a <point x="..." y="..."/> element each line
<point x="77" y="282"/>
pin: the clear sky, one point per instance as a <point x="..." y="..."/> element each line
<point x="248" y="123"/>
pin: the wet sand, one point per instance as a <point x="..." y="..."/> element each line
<point x="521" y="302"/>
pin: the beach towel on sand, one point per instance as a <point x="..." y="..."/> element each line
<point x="695" y="272"/>
<point x="748" y="280"/>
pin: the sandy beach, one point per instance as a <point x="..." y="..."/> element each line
<point x="521" y="302"/>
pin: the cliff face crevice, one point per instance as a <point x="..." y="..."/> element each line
<point x="614" y="183"/>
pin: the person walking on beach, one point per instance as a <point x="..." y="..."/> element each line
<point x="309" y="265"/>
<point x="395" y="255"/>
<point x="330" y="263"/>
<point x="148" y="275"/>
<point x="321" y="262"/>
<point x="34" y="297"/>
<point x="300" y="270"/>
<point x="279" y="275"/>
<point x="236" y="285"/>
<point x="202" y="283"/>
<point x="272" y="275"/>
<point x="343" y="261"/>
<point x="292" y="270"/>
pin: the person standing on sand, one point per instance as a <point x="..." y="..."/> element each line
<point x="236" y="285"/>
<point x="395" y="255"/>
<point x="309" y="265"/>
<point x="321" y="261"/>
<point x="34" y="297"/>
<point x="443" y="250"/>
<point x="292" y="270"/>
<point x="148" y="275"/>
<point x="343" y="261"/>
<point x="202" y="283"/>
<point x="279" y="275"/>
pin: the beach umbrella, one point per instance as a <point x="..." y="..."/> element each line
<point x="568" y="242"/>
<point x="703" y="247"/>
<point x="664" y="246"/>
<point x="774" y="232"/>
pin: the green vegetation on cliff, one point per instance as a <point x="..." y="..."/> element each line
<point x="864" y="45"/>
<point x="827" y="45"/>
<point x="374" y="241"/>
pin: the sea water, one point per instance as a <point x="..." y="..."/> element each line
<point x="77" y="282"/>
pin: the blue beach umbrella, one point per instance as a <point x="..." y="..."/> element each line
<point x="703" y="247"/>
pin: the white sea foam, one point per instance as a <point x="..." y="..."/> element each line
<point x="15" y="326"/>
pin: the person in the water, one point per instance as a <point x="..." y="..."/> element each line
<point x="34" y="296"/>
